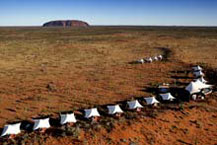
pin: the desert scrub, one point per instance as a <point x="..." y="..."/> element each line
<point x="109" y="126"/>
<point x="131" y="115"/>
<point x="73" y="131"/>
<point x="181" y="106"/>
<point x="152" y="114"/>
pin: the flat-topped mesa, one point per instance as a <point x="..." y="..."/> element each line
<point x="66" y="23"/>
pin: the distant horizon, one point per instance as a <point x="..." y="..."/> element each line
<point x="121" y="25"/>
<point x="110" y="12"/>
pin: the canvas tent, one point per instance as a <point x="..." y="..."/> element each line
<point x="202" y="85"/>
<point x="155" y="58"/>
<point x="134" y="104"/>
<point x="113" y="109"/>
<point x="193" y="87"/>
<point x="197" y="68"/>
<point x="167" y="97"/>
<point x="91" y="113"/>
<point x="149" y="59"/>
<point x="11" y="129"/>
<point x="160" y="57"/>
<point x="198" y="73"/>
<point x="202" y="80"/>
<point x="67" y="118"/>
<point x="151" y="101"/>
<point x="41" y="123"/>
<point x="141" y="61"/>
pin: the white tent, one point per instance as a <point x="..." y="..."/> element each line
<point x="155" y="58"/>
<point x="202" y="85"/>
<point x="141" y="61"/>
<point x="193" y="87"/>
<point x="202" y="80"/>
<point x="113" y="109"/>
<point x="41" y="123"/>
<point x="151" y="100"/>
<point x="67" y="118"/>
<point x="197" y="68"/>
<point x="11" y="129"/>
<point x="198" y="73"/>
<point x="134" y="104"/>
<point x="91" y="113"/>
<point x="149" y="59"/>
<point x="160" y="57"/>
<point x="167" y="97"/>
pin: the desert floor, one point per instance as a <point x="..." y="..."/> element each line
<point x="45" y="71"/>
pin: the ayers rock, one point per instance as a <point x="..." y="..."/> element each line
<point x="66" y="23"/>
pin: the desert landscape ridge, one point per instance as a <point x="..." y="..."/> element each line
<point x="66" y="23"/>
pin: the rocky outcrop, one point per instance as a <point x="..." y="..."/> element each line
<point x="66" y="23"/>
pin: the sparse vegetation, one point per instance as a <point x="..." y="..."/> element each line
<point x="90" y="67"/>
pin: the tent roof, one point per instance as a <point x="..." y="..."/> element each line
<point x="195" y="87"/>
<point x="155" y="58"/>
<point x="134" y="104"/>
<point x="197" y="68"/>
<point x="151" y="100"/>
<point x="41" y="123"/>
<point x="67" y="118"/>
<point x="167" y="96"/>
<point x="114" y="109"/>
<point x="11" y="129"/>
<point x="91" y="112"/>
<point x="198" y="73"/>
<point x="201" y="79"/>
<point x="149" y="59"/>
<point x="202" y="85"/>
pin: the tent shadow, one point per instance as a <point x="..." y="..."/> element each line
<point x="180" y="93"/>
<point x="134" y="62"/>
<point x="173" y="106"/>
<point x="80" y="115"/>
<point x="181" y="77"/>
<point x="181" y="72"/>
<point x="181" y="83"/>
<point x="211" y="74"/>
<point x="1" y="130"/>
<point x="55" y="122"/>
<point x="153" y="90"/>
<point x="55" y="132"/>
<point x="27" y="126"/>
<point x="11" y="110"/>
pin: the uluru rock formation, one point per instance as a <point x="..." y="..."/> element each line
<point x="66" y="23"/>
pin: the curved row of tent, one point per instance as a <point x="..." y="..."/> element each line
<point x="150" y="59"/>
<point x="93" y="114"/>
<point x="195" y="87"/>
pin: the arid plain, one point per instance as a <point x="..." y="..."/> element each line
<point x="45" y="71"/>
